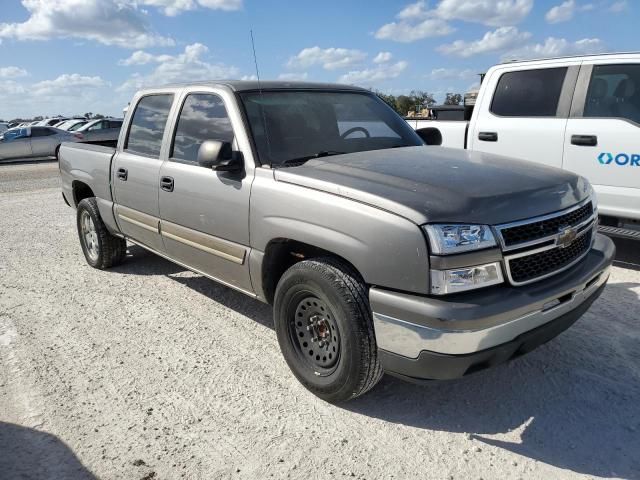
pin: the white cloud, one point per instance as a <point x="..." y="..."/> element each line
<point x="556" y="47"/>
<point x="561" y="13"/>
<point x="495" y="13"/>
<point x="292" y="77"/>
<point x="66" y="85"/>
<point x="249" y="77"/>
<point x="174" y="7"/>
<point x="374" y="75"/>
<point x="619" y="7"/>
<point x="12" y="72"/>
<point x="495" y="41"/>
<point x="188" y="65"/>
<point x="383" y="57"/>
<point x="111" y="22"/>
<point x="451" y="74"/>
<point x="416" y="21"/>
<point x="328" y="58"/>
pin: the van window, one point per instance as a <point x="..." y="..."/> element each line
<point x="148" y="124"/>
<point x="614" y="91"/>
<point x="529" y="93"/>
<point x="203" y="117"/>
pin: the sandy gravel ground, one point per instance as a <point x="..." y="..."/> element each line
<point x="150" y="372"/>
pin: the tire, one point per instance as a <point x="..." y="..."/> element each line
<point x="101" y="249"/>
<point x="325" y="330"/>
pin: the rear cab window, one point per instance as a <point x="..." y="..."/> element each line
<point x="528" y="93"/>
<point x="614" y="92"/>
<point x="148" y="125"/>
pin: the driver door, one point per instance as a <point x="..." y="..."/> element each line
<point x="205" y="214"/>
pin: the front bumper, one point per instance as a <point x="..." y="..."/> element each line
<point x="444" y="338"/>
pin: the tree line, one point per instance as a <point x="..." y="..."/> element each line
<point x="416" y="101"/>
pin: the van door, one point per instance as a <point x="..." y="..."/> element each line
<point x="136" y="169"/>
<point x="602" y="140"/>
<point x="205" y="214"/>
<point x="526" y="116"/>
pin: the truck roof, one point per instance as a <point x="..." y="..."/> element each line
<point x="250" y="85"/>
<point x="570" y="57"/>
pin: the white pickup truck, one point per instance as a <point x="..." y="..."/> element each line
<point x="578" y="113"/>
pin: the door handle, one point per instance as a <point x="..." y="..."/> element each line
<point x="166" y="184"/>
<point x="584" y="140"/>
<point x="122" y="174"/>
<point x="488" y="136"/>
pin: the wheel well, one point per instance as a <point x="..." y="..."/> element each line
<point x="282" y="253"/>
<point x="81" y="191"/>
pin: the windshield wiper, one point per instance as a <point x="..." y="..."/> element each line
<point x="301" y="160"/>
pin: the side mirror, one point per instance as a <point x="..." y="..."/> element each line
<point x="219" y="156"/>
<point x="430" y="135"/>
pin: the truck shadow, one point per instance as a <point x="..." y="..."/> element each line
<point x="142" y="262"/>
<point x="572" y="403"/>
<point x="26" y="453"/>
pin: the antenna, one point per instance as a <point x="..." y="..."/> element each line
<point x="264" y="117"/>
<point x="255" y="60"/>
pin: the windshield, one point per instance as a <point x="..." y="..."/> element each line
<point x="293" y="126"/>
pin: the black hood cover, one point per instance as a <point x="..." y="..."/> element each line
<point x="435" y="184"/>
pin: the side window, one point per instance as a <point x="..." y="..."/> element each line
<point x="528" y="93"/>
<point x="115" y="124"/>
<point x="203" y="117"/>
<point x="613" y="92"/>
<point x="148" y="124"/>
<point x="41" y="132"/>
<point x="96" y="126"/>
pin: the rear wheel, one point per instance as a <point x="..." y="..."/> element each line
<point x="325" y="330"/>
<point x="101" y="249"/>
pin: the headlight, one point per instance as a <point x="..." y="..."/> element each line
<point x="447" y="239"/>
<point x="467" y="278"/>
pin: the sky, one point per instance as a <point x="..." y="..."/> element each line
<point x="68" y="57"/>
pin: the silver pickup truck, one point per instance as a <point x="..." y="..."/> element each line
<point x="378" y="253"/>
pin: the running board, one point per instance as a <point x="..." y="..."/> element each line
<point x="620" y="232"/>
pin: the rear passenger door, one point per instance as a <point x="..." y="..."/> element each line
<point x="43" y="141"/>
<point x="205" y="214"/>
<point x="603" y="134"/>
<point x="526" y="116"/>
<point x="136" y="168"/>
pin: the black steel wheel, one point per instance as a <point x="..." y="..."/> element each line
<point x="315" y="334"/>
<point x="325" y="329"/>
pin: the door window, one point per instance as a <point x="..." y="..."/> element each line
<point x="614" y="91"/>
<point x="203" y="117"/>
<point x="148" y="124"/>
<point x="528" y="93"/>
<point x="41" y="132"/>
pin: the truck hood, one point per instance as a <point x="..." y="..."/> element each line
<point x="436" y="184"/>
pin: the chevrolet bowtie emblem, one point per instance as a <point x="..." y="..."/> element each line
<point x="566" y="236"/>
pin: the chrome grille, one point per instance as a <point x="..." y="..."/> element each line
<point x="543" y="246"/>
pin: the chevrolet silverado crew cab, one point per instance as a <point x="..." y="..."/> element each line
<point x="378" y="253"/>
<point x="580" y="114"/>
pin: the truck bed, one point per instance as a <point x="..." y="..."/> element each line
<point x="87" y="164"/>
<point x="453" y="132"/>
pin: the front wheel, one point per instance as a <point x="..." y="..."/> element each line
<point x="325" y="331"/>
<point x="101" y="249"/>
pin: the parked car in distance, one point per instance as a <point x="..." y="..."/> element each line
<point x="103" y="131"/>
<point x="581" y="114"/>
<point x="377" y="252"/>
<point x="50" y="122"/>
<point x="71" y="125"/>
<point x="33" y="143"/>
<point x="3" y="127"/>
